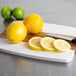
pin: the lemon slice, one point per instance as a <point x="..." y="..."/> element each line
<point x="62" y="45"/>
<point x="47" y="43"/>
<point x="34" y="43"/>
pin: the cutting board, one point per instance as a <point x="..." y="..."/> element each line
<point x="22" y="49"/>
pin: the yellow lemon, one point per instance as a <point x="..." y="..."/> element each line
<point x="16" y="32"/>
<point x="34" y="23"/>
<point x="62" y="45"/>
<point x="47" y="43"/>
<point x="34" y="43"/>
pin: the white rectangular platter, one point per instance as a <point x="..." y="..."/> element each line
<point x="22" y="50"/>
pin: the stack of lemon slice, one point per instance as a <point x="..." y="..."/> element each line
<point x="49" y="44"/>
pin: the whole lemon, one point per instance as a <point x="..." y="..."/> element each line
<point x="33" y="23"/>
<point x="16" y="32"/>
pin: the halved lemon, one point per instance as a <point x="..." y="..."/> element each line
<point x="34" y="43"/>
<point x="47" y="43"/>
<point x="62" y="45"/>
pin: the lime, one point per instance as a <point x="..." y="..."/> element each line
<point x="6" y="12"/>
<point x="18" y="12"/>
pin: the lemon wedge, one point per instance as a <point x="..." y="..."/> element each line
<point x="34" y="43"/>
<point x="47" y="43"/>
<point x="62" y="45"/>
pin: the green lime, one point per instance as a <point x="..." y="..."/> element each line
<point x="6" y="12"/>
<point x="18" y="13"/>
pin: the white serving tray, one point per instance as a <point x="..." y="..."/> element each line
<point x="22" y="50"/>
